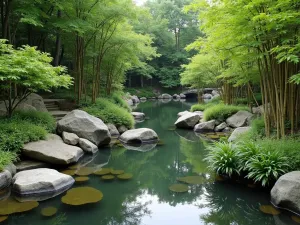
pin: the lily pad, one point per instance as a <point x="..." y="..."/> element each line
<point x="82" y="196"/>
<point x="81" y="179"/>
<point x="103" y="171"/>
<point x="117" y="172"/>
<point x="69" y="172"/>
<point x="3" y="218"/>
<point x="74" y="167"/>
<point x="192" y="179"/>
<point x="269" y="209"/>
<point x="10" y="206"/>
<point x="108" y="177"/>
<point x="125" y="176"/>
<point x="179" y="188"/>
<point x="296" y="219"/>
<point x="49" y="211"/>
<point x="84" y="171"/>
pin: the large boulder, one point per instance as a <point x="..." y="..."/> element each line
<point x="130" y="102"/>
<point x="188" y="120"/>
<point x="5" y="179"/>
<point x="41" y="182"/>
<point x="182" y="113"/>
<point x="85" y="126"/>
<point x="70" y="138"/>
<point x="240" y="119"/>
<point x="113" y="130"/>
<point x="200" y="113"/>
<point x="22" y="106"/>
<point x="37" y="102"/>
<point x="135" y="99"/>
<point x="237" y="132"/>
<point x="221" y="127"/>
<point x="286" y="192"/>
<point x="87" y="146"/>
<point x="52" y="150"/>
<point x="205" y="126"/>
<point x="166" y="96"/>
<point x="138" y="115"/>
<point x="142" y="135"/>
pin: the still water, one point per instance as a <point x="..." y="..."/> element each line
<point x="146" y="199"/>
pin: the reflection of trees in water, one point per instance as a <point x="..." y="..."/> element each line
<point x="230" y="204"/>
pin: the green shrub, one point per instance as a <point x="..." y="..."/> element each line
<point x="216" y="100"/>
<point x="117" y="99"/>
<point x="109" y="112"/>
<point x="247" y="150"/>
<point x="67" y="94"/>
<point x="201" y="107"/>
<point x="241" y="101"/>
<point x="257" y="128"/>
<point x="223" y="158"/>
<point x="7" y="158"/>
<point x="221" y="112"/>
<point x="267" y="167"/>
<point x="141" y="92"/>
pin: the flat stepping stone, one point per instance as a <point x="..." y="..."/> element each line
<point x="30" y="164"/>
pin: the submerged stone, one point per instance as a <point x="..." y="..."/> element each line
<point x="103" y="171"/>
<point x="192" y="179"/>
<point x="11" y="206"/>
<point x="125" y="176"/>
<point x="82" y="196"/>
<point x="49" y="211"/>
<point x="269" y="209"/>
<point x="179" y="188"/>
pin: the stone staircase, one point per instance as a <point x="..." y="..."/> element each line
<point x="53" y="108"/>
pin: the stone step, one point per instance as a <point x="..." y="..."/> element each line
<point x="58" y="113"/>
<point x="53" y="109"/>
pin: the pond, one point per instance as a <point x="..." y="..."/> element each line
<point x="146" y="198"/>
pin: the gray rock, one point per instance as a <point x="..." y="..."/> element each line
<point x="142" y="135"/>
<point x="11" y="168"/>
<point x="182" y="96"/>
<point x="52" y="150"/>
<point x="240" y="119"/>
<point x="122" y="129"/>
<point x="85" y="126"/>
<point x="200" y="113"/>
<point x="205" y="126"/>
<point x="237" y="132"/>
<point x="138" y="115"/>
<point x="182" y="113"/>
<point x="286" y="192"/>
<point x="37" y="102"/>
<point x="41" y="182"/>
<point x="70" y="138"/>
<point x="129" y="102"/>
<point x="216" y="96"/>
<point x="21" y="106"/>
<point x="29" y="165"/>
<point x="207" y="96"/>
<point x="113" y="130"/>
<point x="87" y="146"/>
<point x="166" y="96"/>
<point x="135" y="99"/>
<point x="221" y="127"/>
<point x="188" y="120"/>
<point x="227" y="129"/>
<point x="176" y="96"/>
<point x="215" y="93"/>
<point x="5" y="179"/>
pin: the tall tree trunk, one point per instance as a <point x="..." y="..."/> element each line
<point x="57" y="53"/>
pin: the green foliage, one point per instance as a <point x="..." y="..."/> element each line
<point x="118" y="100"/>
<point x="109" y="112"/>
<point x="221" y="112"/>
<point x="257" y="128"/>
<point x="63" y="94"/>
<point x="223" y="158"/>
<point x="141" y="92"/>
<point x="201" y="107"/>
<point x="7" y="158"/>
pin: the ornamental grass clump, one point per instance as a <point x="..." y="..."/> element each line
<point x="221" y="112"/>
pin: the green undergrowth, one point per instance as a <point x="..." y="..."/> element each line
<point x="141" y="92"/>
<point x="221" y="111"/>
<point x="22" y="128"/>
<point x="110" y="112"/>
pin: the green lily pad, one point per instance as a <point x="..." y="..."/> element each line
<point x="108" y="177"/>
<point x="103" y="171"/>
<point x="117" y="172"/>
<point x="269" y="209"/>
<point x="84" y="171"/>
<point x="11" y="206"/>
<point x="49" y="211"/>
<point x="179" y="188"/>
<point x="125" y="176"/>
<point x="81" y="179"/>
<point x="192" y="179"/>
<point x="82" y="196"/>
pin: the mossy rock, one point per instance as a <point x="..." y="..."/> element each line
<point x="81" y="179"/>
<point x="192" y="179"/>
<point x="82" y="196"/>
<point x="11" y="206"/>
<point x="103" y="171"/>
<point x="296" y="219"/>
<point x="125" y="176"/>
<point x="269" y="209"/>
<point x="69" y="172"/>
<point x="3" y="218"/>
<point x="179" y="188"/>
<point x="108" y="177"/>
<point x="117" y="172"/>
<point x="49" y="211"/>
<point x="84" y="171"/>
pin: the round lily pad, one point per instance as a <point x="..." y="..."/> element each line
<point x="3" y="218"/>
<point x="117" y="172"/>
<point x="10" y="206"/>
<point x="108" y="177"/>
<point x="49" y="211"/>
<point x="192" y="179"/>
<point x="103" y="171"/>
<point x="179" y="188"/>
<point x="81" y="179"/>
<point x="82" y="196"/>
<point x="125" y="176"/>
<point x="296" y="219"/>
<point x="74" y="167"/>
<point x="84" y="171"/>
<point x="269" y="209"/>
<point x="69" y="172"/>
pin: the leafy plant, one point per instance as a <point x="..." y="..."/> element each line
<point x="267" y="167"/>
<point x="247" y="150"/>
<point x="224" y="158"/>
<point x="7" y="158"/>
<point x="117" y="99"/>
<point x="221" y="111"/>
<point x="201" y="107"/>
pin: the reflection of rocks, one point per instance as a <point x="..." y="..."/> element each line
<point x="140" y="147"/>
<point x="30" y="164"/>
<point x="138" y="115"/>
<point x="165" y="100"/>
<point x="187" y="135"/>
<point x="100" y="160"/>
<point x="5" y="194"/>
<point x="42" y="183"/>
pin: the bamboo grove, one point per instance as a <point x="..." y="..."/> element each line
<point x="95" y="39"/>
<point x="255" y="44"/>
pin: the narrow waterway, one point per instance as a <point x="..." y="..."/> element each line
<point x="146" y="199"/>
